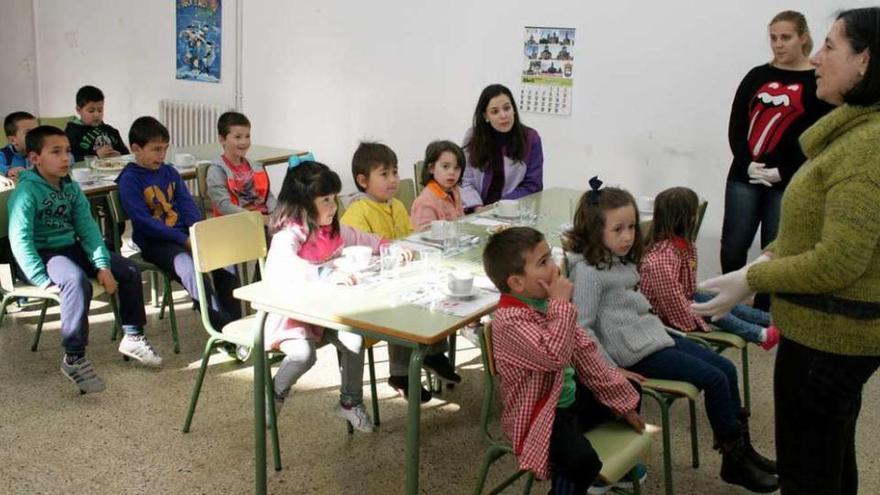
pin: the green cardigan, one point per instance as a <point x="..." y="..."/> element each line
<point x="829" y="235"/>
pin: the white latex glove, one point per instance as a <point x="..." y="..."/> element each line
<point x="757" y="174"/>
<point x="772" y="175"/>
<point x="731" y="289"/>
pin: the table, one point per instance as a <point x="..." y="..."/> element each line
<point x="376" y="314"/>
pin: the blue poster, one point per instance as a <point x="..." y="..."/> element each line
<point x="198" y="40"/>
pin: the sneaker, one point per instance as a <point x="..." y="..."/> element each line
<point x="624" y="484"/>
<point x="772" y="338"/>
<point x="83" y="375"/>
<point x="357" y="416"/>
<point x="401" y="384"/>
<point x="137" y="347"/>
<point x="440" y="365"/>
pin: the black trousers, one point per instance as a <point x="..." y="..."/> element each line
<point x="818" y="397"/>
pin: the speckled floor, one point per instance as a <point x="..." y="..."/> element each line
<point x="127" y="439"/>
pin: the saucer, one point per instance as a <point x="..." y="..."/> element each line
<point x="475" y="291"/>
<point x="346" y="266"/>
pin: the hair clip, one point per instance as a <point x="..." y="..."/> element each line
<point x="295" y="160"/>
<point x="595" y="186"/>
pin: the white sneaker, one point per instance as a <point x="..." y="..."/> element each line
<point x="83" y="375"/>
<point x="137" y="347"/>
<point x="357" y="416"/>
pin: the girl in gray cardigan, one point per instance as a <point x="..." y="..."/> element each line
<point x="604" y="247"/>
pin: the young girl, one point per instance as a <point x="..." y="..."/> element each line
<point x="441" y="176"/>
<point x="669" y="271"/>
<point x="604" y="247"/>
<point x="306" y="234"/>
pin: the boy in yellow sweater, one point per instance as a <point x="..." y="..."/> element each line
<point x="375" y="209"/>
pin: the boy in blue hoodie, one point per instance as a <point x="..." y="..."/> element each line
<point x="58" y="246"/>
<point x="161" y="212"/>
<point x="12" y="156"/>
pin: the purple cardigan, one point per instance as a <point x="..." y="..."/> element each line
<point x="521" y="178"/>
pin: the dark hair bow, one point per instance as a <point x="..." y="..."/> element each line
<point x="595" y="185"/>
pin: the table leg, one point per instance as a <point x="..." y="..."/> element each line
<point x="259" y="406"/>
<point x="414" y="411"/>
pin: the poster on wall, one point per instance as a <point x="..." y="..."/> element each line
<point x="548" y="70"/>
<point x="198" y="40"/>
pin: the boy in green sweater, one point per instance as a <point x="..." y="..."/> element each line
<point x="57" y="246"/>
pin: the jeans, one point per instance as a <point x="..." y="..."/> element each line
<point x="710" y="372"/>
<point x="743" y="320"/>
<point x="818" y="396"/>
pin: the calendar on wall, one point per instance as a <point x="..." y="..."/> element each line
<point x="548" y="70"/>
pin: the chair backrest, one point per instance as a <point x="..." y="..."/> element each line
<point x="228" y="240"/>
<point x="701" y="212"/>
<point x="417" y="175"/>
<point x="4" y="212"/>
<point x="59" y="122"/>
<point x="7" y="282"/>
<point x="203" y="200"/>
<point x="406" y="193"/>
<point x="485" y="334"/>
<point x="340" y="206"/>
<point x="118" y="215"/>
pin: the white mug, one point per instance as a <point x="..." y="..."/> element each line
<point x="357" y="257"/>
<point x="80" y="174"/>
<point x="461" y="282"/>
<point x="184" y="160"/>
<point x="508" y="208"/>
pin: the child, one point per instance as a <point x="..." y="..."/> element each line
<point x="58" y="246"/>
<point x="307" y="234"/>
<point x="12" y="156"/>
<point x="669" y="271"/>
<point x="555" y="385"/>
<point x="89" y="134"/>
<point x="161" y="210"/>
<point x="234" y="183"/>
<point x="376" y="210"/>
<point x="604" y="248"/>
<point x="441" y="176"/>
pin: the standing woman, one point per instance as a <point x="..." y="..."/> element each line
<point x="504" y="159"/>
<point x="823" y="269"/>
<point x="773" y="105"/>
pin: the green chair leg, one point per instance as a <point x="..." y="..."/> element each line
<point x="373" y="392"/>
<point x="452" y="342"/>
<point x="154" y="289"/>
<point x="667" y="441"/>
<point x="492" y="455"/>
<point x="6" y="301"/>
<point x="747" y="396"/>
<point x="194" y="399"/>
<point x="169" y="300"/>
<point x="40" y="321"/>
<point x="273" y="418"/>
<point x="695" y="447"/>
<point x="530" y="478"/>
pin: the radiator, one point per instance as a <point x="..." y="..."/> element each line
<point x="191" y="123"/>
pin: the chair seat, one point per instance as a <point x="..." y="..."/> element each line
<point x="672" y="387"/>
<point x="240" y="332"/>
<point x="619" y="447"/>
<point x="726" y="339"/>
<point x="24" y="289"/>
<point x="142" y="264"/>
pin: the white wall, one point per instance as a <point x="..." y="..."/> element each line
<point x="18" y="90"/>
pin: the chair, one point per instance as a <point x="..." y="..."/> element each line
<point x="118" y="215"/>
<point x="59" y="122"/>
<point x="13" y="289"/>
<point x="619" y="446"/>
<point x="701" y="212"/>
<point x="202" y="198"/>
<point x="406" y="193"/>
<point x="417" y="176"/>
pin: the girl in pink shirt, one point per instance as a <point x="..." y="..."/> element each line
<point x="441" y="176"/>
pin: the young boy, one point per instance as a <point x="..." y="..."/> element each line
<point x="161" y="211"/>
<point x="375" y="209"/>
<point x="555" y="385"/>
<point x="89" y="134"/>
<point x="234" y="183"/>
<point x="12" y="156"/>
<point x="57" y="245"/>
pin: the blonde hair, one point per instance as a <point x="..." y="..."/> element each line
<point x="800" y="25"/>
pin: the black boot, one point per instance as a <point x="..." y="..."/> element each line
<point x="737" y="468"/>
<point x="766" y="465"/>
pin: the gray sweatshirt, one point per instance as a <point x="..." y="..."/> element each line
<point x="614" y="313"/>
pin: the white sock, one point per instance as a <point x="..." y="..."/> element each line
<point x="763" y="337"/>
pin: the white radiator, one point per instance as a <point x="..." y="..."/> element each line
<point x="191" y="123"/>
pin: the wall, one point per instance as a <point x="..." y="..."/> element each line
<point x="18" y="77"/>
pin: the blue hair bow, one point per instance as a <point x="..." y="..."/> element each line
<point x="595" y="186"/>
<point x="295" y="160"/>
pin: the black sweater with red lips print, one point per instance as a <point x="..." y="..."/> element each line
<point x="771" y="109"/>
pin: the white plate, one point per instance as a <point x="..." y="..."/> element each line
<point x="475" y="291"/>
<point x="344" y="265"/>
<point x="114" y="164"/>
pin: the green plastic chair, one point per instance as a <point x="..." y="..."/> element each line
<point x="13" y="289"/>
<point x="720" y="341"/>
<point x="619" y="447"/>
<point x="118" y="215"/>
<point x="417" y="176"/>
<point x="406" y="193"/>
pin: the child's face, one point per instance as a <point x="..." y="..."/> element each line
<point x="499" y="112"/>
<point x="446" y="170"/>
<point x="237" y="142"/>
<point x="539" y="267"/>
<point x="620" y="230"/>
<point x="150" y="155"/>
<point x="22" y="128"/>
<point x="92" y="113"/>
<point x="325" y="208"/>
<point x="53" y="161"/>
<point x="382" y="182"/>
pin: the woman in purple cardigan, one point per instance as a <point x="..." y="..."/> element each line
<point x="504" y="159"/>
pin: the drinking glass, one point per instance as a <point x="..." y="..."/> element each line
<point x="450" y="237"/>
<point x="527" y="213"/>
<point x="389" y="258"/>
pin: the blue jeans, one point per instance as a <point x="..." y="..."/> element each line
<point x="743" y="320"/>
<point x="710" y="372"/>
<point x="745" y="207"/>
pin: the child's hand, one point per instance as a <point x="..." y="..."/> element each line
<point x="406" y="255"/>
<point x="7" y="182"/>
<point x="12" y="173"/>
<point x="105" y="278"/>
<point x="632" y="375"/>
<point x="634" y="420"/>
<point x="106" y="151"/>
<point x="342" y="278"/>
<point x="558" y="288"/>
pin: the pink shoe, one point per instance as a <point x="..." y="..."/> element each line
<point x="772" y="338"/>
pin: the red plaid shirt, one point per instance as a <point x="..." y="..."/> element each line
<point x="531" y="350"/>
<point x="669" y="280"/>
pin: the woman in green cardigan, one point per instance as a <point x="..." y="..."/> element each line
<point x="823" y="269"/>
